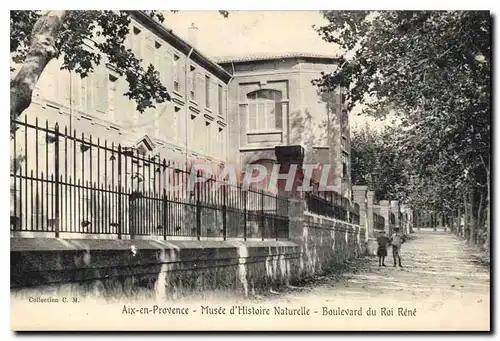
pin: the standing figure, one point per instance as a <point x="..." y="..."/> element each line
<point x="383" y="241"/>
<point x="397" y="239"/>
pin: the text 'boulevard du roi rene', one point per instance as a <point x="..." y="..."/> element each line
<point x="266" y="311"/>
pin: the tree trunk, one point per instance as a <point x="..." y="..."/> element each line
<point x="488" y="203"/>
<point x="42" y="50"/>
<point x="456" y="227"/>
<point x="473" y="223"/>
<point x="466" y="218"/>
<point x="479" y="218"/>
<point x="452" y="221"/>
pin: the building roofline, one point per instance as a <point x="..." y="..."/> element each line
<point x="182" y="45"/>
<point x="264" y="57"/>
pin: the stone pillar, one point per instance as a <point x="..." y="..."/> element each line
<point x="359" y="195"/>
<point x="370" y="225"/>
<point x="411" y="220"/>
<point x="287" y="156"/>
<point x="408" y="219"/>
<point x="394" y="208"/>
<point x="384" y="212"/>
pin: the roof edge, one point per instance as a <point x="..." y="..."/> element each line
<point x="182" y="45"/>
<point x="290" y="55"/>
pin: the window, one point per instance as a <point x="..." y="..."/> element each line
<point x="221" y="100"/>
<point x="177" y="72"/>
<point x="208" y="138"/>
<point x="136" y="42"/>
<point x="345" y="164"/>
<point x="157" y="59"/>
<point x="175" y="123"/>
<point x="207" y="91"/>
<point x="112" y="96"/>
<point x="192" y="92"/>
<point x="149" y="55"/>
<point x="264" y="110"/>
<point x="220" y="142"/>
<point x="345" y="118"/>
<point x="344" y="142"/>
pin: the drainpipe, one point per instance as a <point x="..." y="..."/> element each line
<point x="227" y="118"/>
<point x="186" y="92"/>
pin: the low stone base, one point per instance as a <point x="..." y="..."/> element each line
<point x="149" y="268"/>
<point x="371" y="248"/>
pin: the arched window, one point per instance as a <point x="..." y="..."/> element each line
<point x="264" y="110"/>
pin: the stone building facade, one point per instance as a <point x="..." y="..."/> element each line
<point x="193" y="125"/>
<point x="94" y="117"/>
<point x="272" y="102"/>
<point x="233" y="110"/>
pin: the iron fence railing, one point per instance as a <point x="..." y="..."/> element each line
<point x="62" y="182"/>
<point x="378" y="222"/>
<point x="354" y="214"/>
<point x="392" y="220"/>
<point x="331" y="204"/>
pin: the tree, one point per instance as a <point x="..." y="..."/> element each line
<point x="38" y="37"/>
<point x="377" y="162"/>
<point x="432" y="70"/>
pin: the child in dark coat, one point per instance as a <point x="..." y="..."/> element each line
<point x="383" y="241"/>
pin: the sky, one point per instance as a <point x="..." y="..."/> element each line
<point x="251" y="32"/>
<point x="244" y="32"/>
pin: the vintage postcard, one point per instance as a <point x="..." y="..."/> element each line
<point x="250" y="170"/>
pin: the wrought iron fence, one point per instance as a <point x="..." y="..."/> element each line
<point x="67" y="183"/>
<point x="392" y="220"/>
<point x="354" y="214"/>
<point x="378" y="222"/>
<point x="331" y="204"/>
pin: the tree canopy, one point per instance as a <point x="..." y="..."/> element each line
<point x="83" y="40"/>
<point x="432" y="70"/>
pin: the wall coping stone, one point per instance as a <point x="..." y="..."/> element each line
<point x="53" y="244"/>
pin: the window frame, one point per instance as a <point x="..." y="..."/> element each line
<point x="207" y="91"/>
<point x="192" y="89"/>
<point x="220" y="99"/>
<point x="345" y="163"/>
<point x="256" y="102"/>
<point x="176" y="79"/>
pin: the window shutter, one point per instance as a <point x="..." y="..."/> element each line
<point x="111" y="89"/>
<point x="89" y="87"/>
<point x="181" y="75"/>
<point x="64" y="87"/>
<point x="75" y="90"/>
<point x="200" y="85"/>
<point x="213" y="97"/>
<point x="150" y="52"/>
<point x="192" y="126"/>
<point x="123" y="112"/>
<point x="208" y="142"/>
<point x="175" y="125"/>
<point x="168" y="72"/>
<point x="158" y="63"/>
<point x="102" y="90"/>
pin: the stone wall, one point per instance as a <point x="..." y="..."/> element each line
<point x="328" y="242"/>
<point x="177" y="268"/>
<point x="147" y="268"/>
